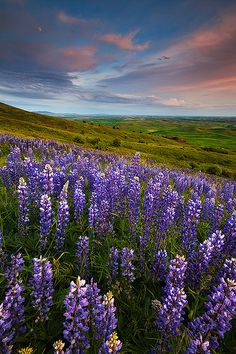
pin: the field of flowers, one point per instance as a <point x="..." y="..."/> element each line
<point x="101" y="254"/>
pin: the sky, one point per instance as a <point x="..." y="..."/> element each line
<point x="153" y="57"/>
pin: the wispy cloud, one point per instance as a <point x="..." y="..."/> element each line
<point x="125" y="42"/>
<point x="63" y="17"/>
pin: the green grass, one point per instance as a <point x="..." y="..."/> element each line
<point x="207" y="145"/>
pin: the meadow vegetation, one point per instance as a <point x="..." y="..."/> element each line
<point x="208" y="145"/>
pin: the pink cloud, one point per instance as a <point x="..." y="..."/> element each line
<point x="73" y="20"/>
<point x="124" y="42"/>
<point x="224" y="30"/>
<point x="70" y="58"/>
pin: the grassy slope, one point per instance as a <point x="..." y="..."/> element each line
<point x="153" y="146"/>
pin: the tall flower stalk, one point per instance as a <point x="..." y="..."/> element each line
<point x="63" y="218"/>
<point x="23" y="200"/>
<point x="42" y="288"/>
<point x="45" y="219"/>
<point x="170" y="315"/>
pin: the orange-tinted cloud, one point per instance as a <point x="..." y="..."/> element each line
<point x="125" y="42"/>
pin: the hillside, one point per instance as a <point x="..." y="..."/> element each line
<point x="166" y="150"/>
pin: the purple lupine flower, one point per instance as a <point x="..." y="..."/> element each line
<point x="198" y="346"/>
<point x="76" y="317"/>
<point x="97" y="311"/>
<point x="113" y="261"/>
<point x="208" y="253"/>
<point x="14" y="165"/>
<point x="59" y="180"/>
<point x="100" y="216"/>
<point x="230" y="232"/>
<point x="208" y="208"/>
<point x="229" y="269"/>
<point x="63" y="218"/>
<point x="192" y="215"/>
<point x="216" y="218"/>
<point x="11" y="316"/>
<point x="82" y="254"/>
<point x="42" y="288"/>
<point x="34" y="183"/>
<point x="79" y="201"/>
<point x="169" y="317"/>
<point x="176" y="273"/>
<point x="159" y="264"/>
<point x="133" y="201"/>
<point x="220" y="309"/>
<point x="47" y="180"/>
<point x="13" y="269"/>
<point x="110" y="320"/>
<point x="127" y="268"/>
<point x="113" y="345"/>
<point x="45" y="219"/>
<point x="23" y="200"/>
<point x="150" y="201"/>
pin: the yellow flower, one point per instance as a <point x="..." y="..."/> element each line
<point x="27" y="350"/>
<point x="114" y="343"/>
<point x="58" y="345"/>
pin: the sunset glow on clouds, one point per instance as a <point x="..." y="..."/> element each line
<point x="149" y="57"/>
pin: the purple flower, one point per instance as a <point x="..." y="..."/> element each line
<point x="220" y="309"/>
<point x="207" y="255"/>
<point x="216" y="218"/>
<point x="63" y="218"/>
<point x="113" y="345"/>
<point x="189" y="233"/>
<point x="110" y="320"/>
<point x="169" y="202"/>
<point x="23" y="200"/>
<point x="42" y="287"/>
<point x="198" y="346"/>
<point x="159" y="264"/>
<point x="230" y="232"/>
<point x="45" y="219"/>
<point x="13" y="269"/>
<point x="47" y="180"/>
<point x="127" y="268"/>
<point x="79" y="201"/>
<point x="133" y="198"/>
<point x="97" y="312"/>
<point x="11" y="316"/>
<point x="169" y="317"/>
<point x="82" y="254"/>
<point x="113" y="261"/>
<point x="76" y="317"/>
<point x="150" y="201"/>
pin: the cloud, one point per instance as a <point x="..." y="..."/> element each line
<point x="42" y="55"/>
<point x="36" y="85"/>
<point x="204" y="58"/>
<point x="124" y="42"/>
<point x="70" y="58"/>
<point x="63" y="17"/>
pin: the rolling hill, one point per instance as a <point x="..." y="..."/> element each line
<point x="167" y="150"/>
